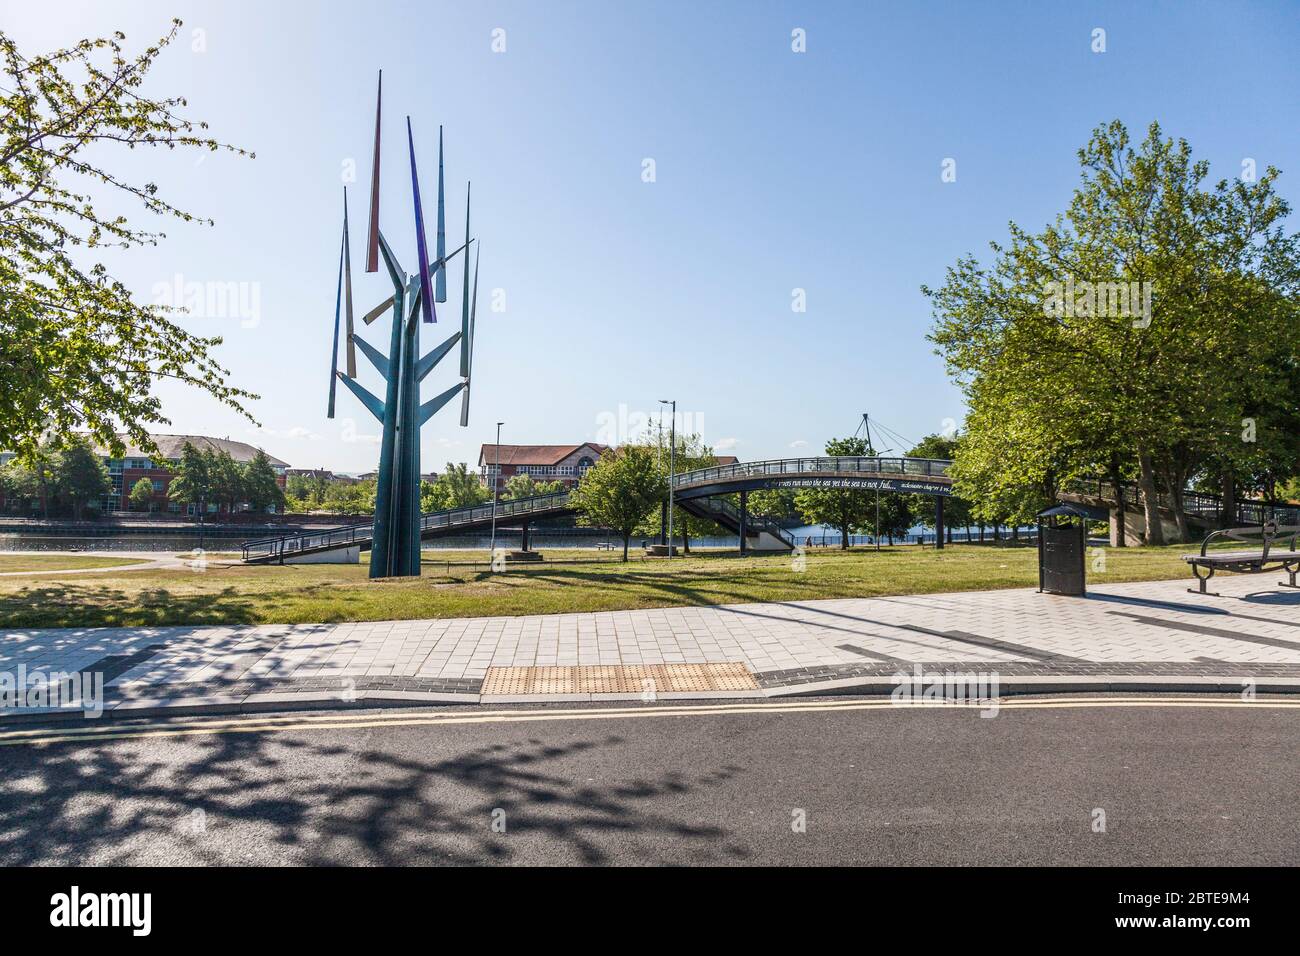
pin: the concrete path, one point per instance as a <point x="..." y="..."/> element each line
<point x="1144" y="636"/>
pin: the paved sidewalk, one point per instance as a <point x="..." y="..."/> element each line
<point x="1142" y="636"/>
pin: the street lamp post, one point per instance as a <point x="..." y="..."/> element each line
<point x="877" y="457"/>
<point x="496" y="483"/>
<point x="672" y="459"/>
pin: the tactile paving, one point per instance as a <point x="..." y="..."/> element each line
<point x="619" y="679"/>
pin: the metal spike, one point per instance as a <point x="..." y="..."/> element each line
<point x="372" y="244"/>
<point x="442" y="231"/>
<point x="421" y="247"/>
<point x="473" y="312"/>
<point x="347" y="289"/>
<point x="334" y="357"/>
<point x="464" y="299"/>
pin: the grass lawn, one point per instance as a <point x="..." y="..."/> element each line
<point x="458" y="584"/>
<point x="35" y="561"/>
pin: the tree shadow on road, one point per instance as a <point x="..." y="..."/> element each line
<point x="290" y="798"/>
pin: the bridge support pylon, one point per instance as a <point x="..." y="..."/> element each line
<point x="744" y="521"/>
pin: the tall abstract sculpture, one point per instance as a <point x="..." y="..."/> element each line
<point x="395" y="549"/>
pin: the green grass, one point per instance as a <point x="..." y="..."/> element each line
<point x="34" y="561"/>
<point x="458" y="584"/>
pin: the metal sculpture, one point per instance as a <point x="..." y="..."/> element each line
<point x="395" y="544"/>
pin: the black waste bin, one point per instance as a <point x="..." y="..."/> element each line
<point x="1062" y="547"/>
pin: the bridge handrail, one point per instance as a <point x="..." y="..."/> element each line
<point x="350" y="534"/>
<point x="873" y="464"/>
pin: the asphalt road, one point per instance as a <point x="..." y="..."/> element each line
<point x="1194" y="784"/>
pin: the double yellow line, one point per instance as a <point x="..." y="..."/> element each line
<point x="259" y="723"/>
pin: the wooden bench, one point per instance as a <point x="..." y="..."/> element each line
<point x="1266" y="558"/>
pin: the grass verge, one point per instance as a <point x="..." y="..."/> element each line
<point x="459" y="584"/>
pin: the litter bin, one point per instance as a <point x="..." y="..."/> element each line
<point x="1062" y="550"/>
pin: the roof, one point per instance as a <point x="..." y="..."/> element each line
<point x="719" y="460"/>
<point x="1071" y="510"/>
<point x="170" y="447"/>
<point x="534" y="454"/>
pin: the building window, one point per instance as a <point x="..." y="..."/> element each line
<point x="157" y="485"/>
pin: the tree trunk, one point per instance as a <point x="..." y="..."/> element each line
<point x="625" y="540"/>
<point x="981" y="532"/>
<point x="1119" y="539"/>
<point x="1150" y="503"/>
<point x="1180" y="514"/>
<point x="844" y="537"/>
<point x="1228" y="504"/>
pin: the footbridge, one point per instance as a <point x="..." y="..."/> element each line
<point x="705" y="492"/>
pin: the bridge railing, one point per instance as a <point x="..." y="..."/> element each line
<point x="291" y="544"/>
<point x="505" y="509"/>
<point x="922" y="467"/>
<point x="306" y="541"/>
<point x="1195" y="503"/>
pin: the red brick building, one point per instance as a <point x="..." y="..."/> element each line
<point x="564" y="463"/>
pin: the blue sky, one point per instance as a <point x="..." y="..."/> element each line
<point x="774" y="171"/>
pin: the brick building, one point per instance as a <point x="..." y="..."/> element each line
<point x="564" y="463"/>
<point x="135" y="463"/>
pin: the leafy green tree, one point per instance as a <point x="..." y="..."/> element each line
<point x="523" y="486"/>
<point x="350" y="498"/>
<point x="142" y="494"/>
<point x="80" y="474"/>
<point x="192" y="484"/>
<point x="261" y="484"/>
<point x="225" y="479"/>
<point x="956" y="509"/>
<point x="309" y="490"/>
<point x="691" y="453"/>
<point x="847" y="509"/>
<point x="456" y="487"/>
<point x="24" y="480"/>
<point x="78" y="351"/>
<point x="623" y="487"/>
<point x="1133" y="335"/>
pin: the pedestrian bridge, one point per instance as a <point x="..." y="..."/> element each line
<point x="700" y="492"/>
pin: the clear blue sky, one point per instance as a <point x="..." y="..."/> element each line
<point x="775" y="171"/>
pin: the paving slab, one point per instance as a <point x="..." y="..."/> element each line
<point x="1138" y="636"/>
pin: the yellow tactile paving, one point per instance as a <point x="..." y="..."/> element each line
<point x="618" y="679"/>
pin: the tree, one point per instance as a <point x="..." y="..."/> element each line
<point x="225" y="479"/>
<point x="309" y="489"/>
<point x="80" y="475"/>
<point x="262" y="486"/>
<point x="24" y="480"/>
<point x="77" y="351"/>
<point x="624" y="486"/>
<point x="844" y="508"/>
<point x="456" y="487"/>
<point x="142" y="494"/>
<point x="1134" y="335"/>
<point x="523" y="486"/>
<point x="192" y="484"/>
<point x="691" y="453"/>
<point x="956" y="509"/>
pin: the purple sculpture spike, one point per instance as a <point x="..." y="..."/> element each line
<point x="422" y="249"/>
